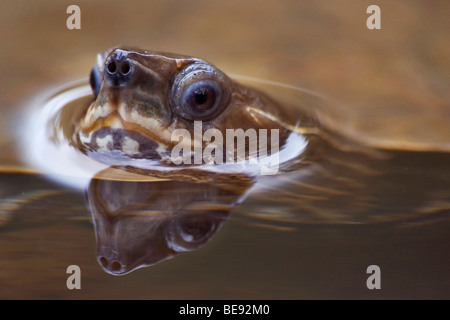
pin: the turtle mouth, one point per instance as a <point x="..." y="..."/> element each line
<point x="129" y="143"/>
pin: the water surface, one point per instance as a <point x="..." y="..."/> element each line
<point x="310" y="234"/>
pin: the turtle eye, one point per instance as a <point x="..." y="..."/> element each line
<point x="201" y="99"/>
<point x="190" y="232"/>
<point x="200" y="92"/>
<point x="95" y="81"/>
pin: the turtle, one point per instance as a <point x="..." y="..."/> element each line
<point x="142" y="105"/>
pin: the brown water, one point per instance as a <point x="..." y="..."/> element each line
<point x="312" y="232"/>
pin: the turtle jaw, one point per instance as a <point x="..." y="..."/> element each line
<point x="122" y="128"/>
<point x="128" y="143"/>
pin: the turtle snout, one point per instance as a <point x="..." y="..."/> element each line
<point x="111" y="265"/>
<point x="119" y="70"/>
<point x="110" y="261"/>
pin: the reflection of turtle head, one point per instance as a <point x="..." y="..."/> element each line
<point x="138" y="224"/>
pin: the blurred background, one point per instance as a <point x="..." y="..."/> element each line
<point x="390" y="86"/>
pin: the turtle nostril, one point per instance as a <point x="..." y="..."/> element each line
<point x="118" y="71"/>
<point x="116" y="266"/>
<point x="111" y="67"/>
<point x="104" y="262"/>
<point x="125" y="68"/>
